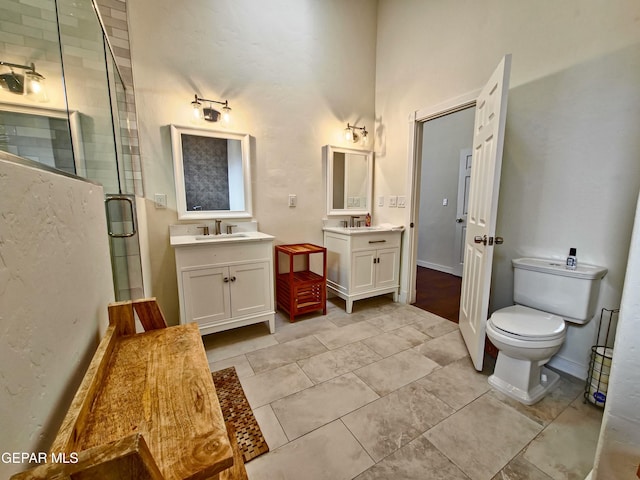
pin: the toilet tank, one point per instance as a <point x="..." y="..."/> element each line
<point x="547" y="285"/>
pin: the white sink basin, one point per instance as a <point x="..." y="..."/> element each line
<point x="359" y="230"/>
<point x="194" y="239"/>
<point x="221" y="236"/>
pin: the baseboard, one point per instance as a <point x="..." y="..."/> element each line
<point x="570" y="367"/>
<point x="435" y="266"/>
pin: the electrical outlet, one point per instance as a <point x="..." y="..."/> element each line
<point x="293" y="199"/>
<point x="160" y="200"/>
<point x="445" y="202"/>
<point x="381" y="201"/>
<point x="393" y="201"/>
<point x="402" y="201"/>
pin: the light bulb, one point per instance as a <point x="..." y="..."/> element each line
<point x="348" y="134"/>
<point x="197" y="111"/>
<point x="34" y="87"/>
<point x="226" y="114"/>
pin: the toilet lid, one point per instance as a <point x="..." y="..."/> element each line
<point x="527" y="322"/>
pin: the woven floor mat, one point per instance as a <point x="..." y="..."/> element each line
<point x="236" y="409"/>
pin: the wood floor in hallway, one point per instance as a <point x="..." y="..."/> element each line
<point x="438" y="292"/>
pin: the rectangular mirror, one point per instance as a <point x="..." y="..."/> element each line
<point x="212" y="173"/>
<point x="349" y="180"/>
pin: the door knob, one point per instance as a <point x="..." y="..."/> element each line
<point x="499" y="240"/>
<point x="459" y="220"/>
<point x="479" y="239"/>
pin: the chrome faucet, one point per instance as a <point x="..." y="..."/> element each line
<point x="352" y="220"/>
<point x="230" y="228"/>
<point x="217" y="227"/>
<point x="205" y="230"/>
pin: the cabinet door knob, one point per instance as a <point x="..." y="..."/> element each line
<point x="233" y="279"/>
<point x="226" y="279"/>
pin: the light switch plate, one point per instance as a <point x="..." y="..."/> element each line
<point x="445" y="202"/>
<point x="160" y="200"/>
<point x="293" y="199"/>
<point x="393" y="201"/>
<point x="381" y="201"/>
<point x="402" y="201"/>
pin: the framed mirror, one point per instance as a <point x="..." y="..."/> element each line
<point x="212" y="173"/>
<point x="349" y="180"/>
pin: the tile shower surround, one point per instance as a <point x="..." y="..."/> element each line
<point x="29" y="31"/>
<point x="389" y="392"/>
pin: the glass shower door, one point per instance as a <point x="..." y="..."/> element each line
<point x="96" y="96"/>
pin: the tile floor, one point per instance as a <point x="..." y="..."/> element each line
<point x="389" y="392"/>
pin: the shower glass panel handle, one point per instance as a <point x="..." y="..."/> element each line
<point x="120" y="222"/>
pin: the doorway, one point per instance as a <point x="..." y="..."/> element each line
<point x="443" y="161"/>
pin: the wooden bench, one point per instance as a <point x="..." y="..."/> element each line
<point x="146" y="408"/>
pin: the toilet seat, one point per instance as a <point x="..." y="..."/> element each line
<point x="524" y="323"/>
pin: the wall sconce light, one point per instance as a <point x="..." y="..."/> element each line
<point x="30" y="84"/>
<point x="356" y="134"/>
<point x="209" y="113"/>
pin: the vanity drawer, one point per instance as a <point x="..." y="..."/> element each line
<point x="375" y="240"/>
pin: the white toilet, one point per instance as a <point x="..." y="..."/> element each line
<point x="529" y="333"/>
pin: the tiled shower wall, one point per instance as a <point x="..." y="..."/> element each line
<point x="29" y="33"/>
<point x="114" y="18"/>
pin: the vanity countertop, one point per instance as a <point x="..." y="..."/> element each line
<point x="190" y="240"/>
<point x="362" y="230"/>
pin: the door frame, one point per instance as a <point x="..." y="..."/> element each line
<point x="416" y="121"/>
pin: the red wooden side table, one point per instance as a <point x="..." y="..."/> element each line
<point x="301" y="291"/>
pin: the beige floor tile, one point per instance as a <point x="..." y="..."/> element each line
<point x="241" y="364"/>
<point x="418" y="460"/>
<point x="435" y="326"/>
<point x="328" y="453"/>
<point x="327" y="365"/>
<point x="387" y="424"/>
<point x="551" y="405"/>
<point x="270" y="427"/>
<point x="412" y="335"/>
<point x="392" y="319"/>
<point x="351" y="333"/>
<point x="237" y="341"/>
<point x="309" y="409"/>
<point x="483" y="437"/>
<point x="422" y="393"/>
<point x="457" y="384"/>
<point x="303" y="327"/>
<point x="393" y="372"/>
<point x="387" y="344"/>
<point x="444" y="349"/>
<point x="566" y="448"/>
<point x="284" y="353"/>
<point x="520" y="469"/>
<point x="274" y="384"/>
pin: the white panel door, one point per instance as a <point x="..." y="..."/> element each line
<point x="206" y="295"/>
<point x="488" y="139"/>
<point x="462" y="209"/>
<point x="362" y="271"/>
<point x="387" y="267"/>
<point x="250" y="288"/>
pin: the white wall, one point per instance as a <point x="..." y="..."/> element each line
<point x="618" y="454"/>
<point x="442" y="140"/>
<point x="570" y="169"/>
<point x="294" y="72"/>
<point x="55" y="285"/>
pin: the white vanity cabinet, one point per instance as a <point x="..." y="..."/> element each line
<point x="226" y="284"/>
<point x="362" y="263"/>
